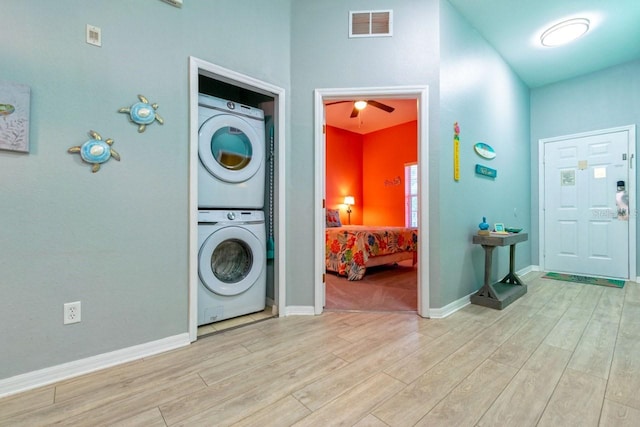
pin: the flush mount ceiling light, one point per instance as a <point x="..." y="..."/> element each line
<point x="564" y="32"/>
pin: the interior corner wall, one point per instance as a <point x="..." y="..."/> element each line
<point x="480" y="92"/>
<point x="116" y="240"/>
<point x="343" y="175"/>
<point x="600" y="100"/>
<point x="385" y="154"/>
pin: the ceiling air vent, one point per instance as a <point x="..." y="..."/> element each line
<point x="371" y="23"/>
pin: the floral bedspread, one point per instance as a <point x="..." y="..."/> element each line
<point x="348" y="248"/>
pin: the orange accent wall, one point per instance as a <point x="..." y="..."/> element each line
<point x="371" y="169"/>
<point x="384" y="155"/>
<point x="343" y="175"/>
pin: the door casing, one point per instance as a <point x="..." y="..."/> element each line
<point x="196" y="68"/>
<point x="421" y="95"/>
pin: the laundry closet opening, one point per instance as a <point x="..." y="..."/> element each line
<point x="234" y="199"/>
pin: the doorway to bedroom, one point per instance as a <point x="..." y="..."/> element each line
<point x="372" y="187"/>
<point x="371" y="153"/>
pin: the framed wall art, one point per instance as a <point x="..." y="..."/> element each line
<point x="14" y="116"/>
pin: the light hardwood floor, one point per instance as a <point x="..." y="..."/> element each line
<point x="564" y="354"/>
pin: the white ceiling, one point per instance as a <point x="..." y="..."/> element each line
<point x="513" y="28"/>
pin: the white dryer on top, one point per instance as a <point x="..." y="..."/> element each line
<point x="231" y="148"/>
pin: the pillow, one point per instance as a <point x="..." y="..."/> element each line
<point x="333" y="218"/>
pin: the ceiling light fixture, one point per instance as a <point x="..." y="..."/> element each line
<point x="565" y="32"/>
<point x="360" y="105"/>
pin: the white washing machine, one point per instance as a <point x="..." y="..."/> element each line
<point x="231" y="264"/>
<point x="231" y="148"/>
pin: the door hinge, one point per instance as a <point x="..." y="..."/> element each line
<point x="323" y="277"/>
<point x="324" y="129"/>
<point x="323" y="203"/>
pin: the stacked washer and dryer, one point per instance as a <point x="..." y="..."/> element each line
<point x="231" y="225"/>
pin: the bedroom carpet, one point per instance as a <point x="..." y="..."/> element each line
<point x="384" y="288"/>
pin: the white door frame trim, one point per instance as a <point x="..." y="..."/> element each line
<point x="197" y="67"/>
<point x="421" y="94"/>
<point x="631" y="150"/>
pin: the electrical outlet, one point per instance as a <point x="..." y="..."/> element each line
<point x="72" y="312"/>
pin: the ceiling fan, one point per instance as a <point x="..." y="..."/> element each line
<point x="361" y="104"/>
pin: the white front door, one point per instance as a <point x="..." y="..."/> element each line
<point x="586" y="204"/>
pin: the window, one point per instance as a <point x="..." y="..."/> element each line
<point x="411" y="194"/>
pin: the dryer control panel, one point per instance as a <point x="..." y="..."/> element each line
<point x="236" y="216"/>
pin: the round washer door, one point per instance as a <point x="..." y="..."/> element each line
<point x="230" y="260"/>
<point x="229" y="148"/>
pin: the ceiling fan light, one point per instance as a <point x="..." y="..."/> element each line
<point x="565" y="32"/>
<point x="360" y="105"/>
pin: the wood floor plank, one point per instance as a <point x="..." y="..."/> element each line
<point x="617" y="415"/>
<point x="560" y="297"/>
<point x="354" y="405"/>
<point x="418" y="398"/>
<point x="218" y="372"/>
<point x="609" y="307"/>
<point x="89" y="412"/>
<point x="259" y="396"/>
<point x="149" y="418"/>
<point x="569" y="329"/>
<point x="298" y="332"/>
<point x="401" y="326"/>
<point x="594" y="352"/>
<point x="419" y="362"/>
<point x="25" y="402"/>
<point x="284" y="412"/>
<point x="370" y="421"/>
<point x="322" y="391"/>
<point x="576" y="401"/>
<point x="624" y="378"/>
<point x="101" y="387"/>
<point x="520" y="346"/>
<point x="523" y="400"/>
<point x="468" y="401"/>
<point x="630" y="319"/>
<point x="370" y="329"/>
<point x="632" y="292"/>
<point x="501" y="330"/>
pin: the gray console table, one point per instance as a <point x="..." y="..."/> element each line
<point x="501" y="294"/>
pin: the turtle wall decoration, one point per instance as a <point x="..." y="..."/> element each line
<point x="142" y="113"/>
<point x="95" y="151"/>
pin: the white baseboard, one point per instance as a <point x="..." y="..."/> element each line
<point x="528" y="269"/>
<point x="449" y="309"/>
<point x="299" y="310"/>
<point x="45" y="376"/>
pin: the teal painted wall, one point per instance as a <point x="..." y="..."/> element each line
<point x="600" y="100"/>
<point x="491" y="104"/>
<point x="115" y="240"/>
<point x="323" y="56"/>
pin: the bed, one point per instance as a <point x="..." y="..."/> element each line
<point x="350" y="249"/>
